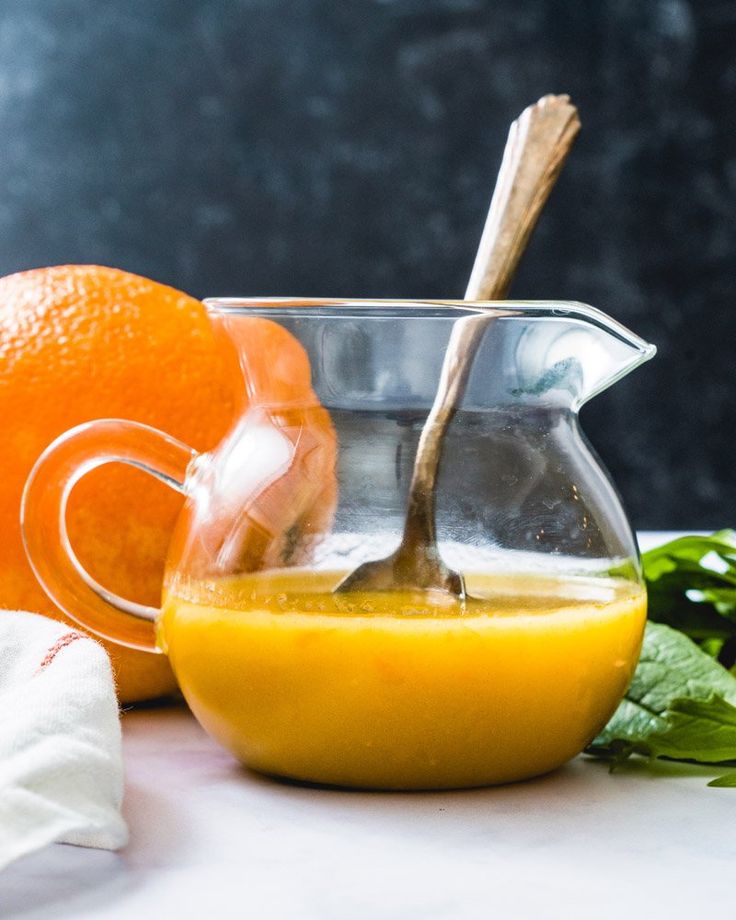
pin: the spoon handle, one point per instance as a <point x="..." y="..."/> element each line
<point x="537" y="146"/>
<point x="419" y="529"/>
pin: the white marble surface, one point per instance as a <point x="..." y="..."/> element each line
<point x="209" y="839"/>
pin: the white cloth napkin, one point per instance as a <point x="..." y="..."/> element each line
<point x="61" y="768"/>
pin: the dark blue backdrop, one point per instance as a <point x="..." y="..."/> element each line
<point x="349" y="148"/>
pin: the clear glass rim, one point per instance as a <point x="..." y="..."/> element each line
<point x="376" y="305"/>
<point x="396" y="308"/>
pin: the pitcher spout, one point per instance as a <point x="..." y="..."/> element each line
<point x="577" y="350"/>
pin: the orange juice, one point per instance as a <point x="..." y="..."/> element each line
<point x="388" y="691"/>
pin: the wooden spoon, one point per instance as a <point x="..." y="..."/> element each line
<point x="537" y="146"/>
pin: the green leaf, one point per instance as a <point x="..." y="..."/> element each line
<point x="702" y="730"/>
<point x="728" y="779"/>
<point x="691" y="584"/>
<point x="681" y="704"/>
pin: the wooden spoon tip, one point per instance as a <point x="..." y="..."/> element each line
<point x="553" y="100"/>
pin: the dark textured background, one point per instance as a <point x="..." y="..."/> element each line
<point x="349" y="147"/>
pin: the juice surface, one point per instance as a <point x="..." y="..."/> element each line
<point x="388" y="691"/>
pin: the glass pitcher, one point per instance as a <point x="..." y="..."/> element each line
<point x="381" y="689"/>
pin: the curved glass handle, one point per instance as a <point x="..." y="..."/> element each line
<point x="43" y="520"/>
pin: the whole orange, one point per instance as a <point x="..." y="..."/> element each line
<point x="80" y="342"/>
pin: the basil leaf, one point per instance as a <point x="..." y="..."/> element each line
<point x="691" y="584"/>
<point x="728" y="779"/>
<point x="681" y="704"/>
<point x="702" y="730"/>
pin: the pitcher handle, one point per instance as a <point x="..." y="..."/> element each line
<point x="43" y="521"/>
